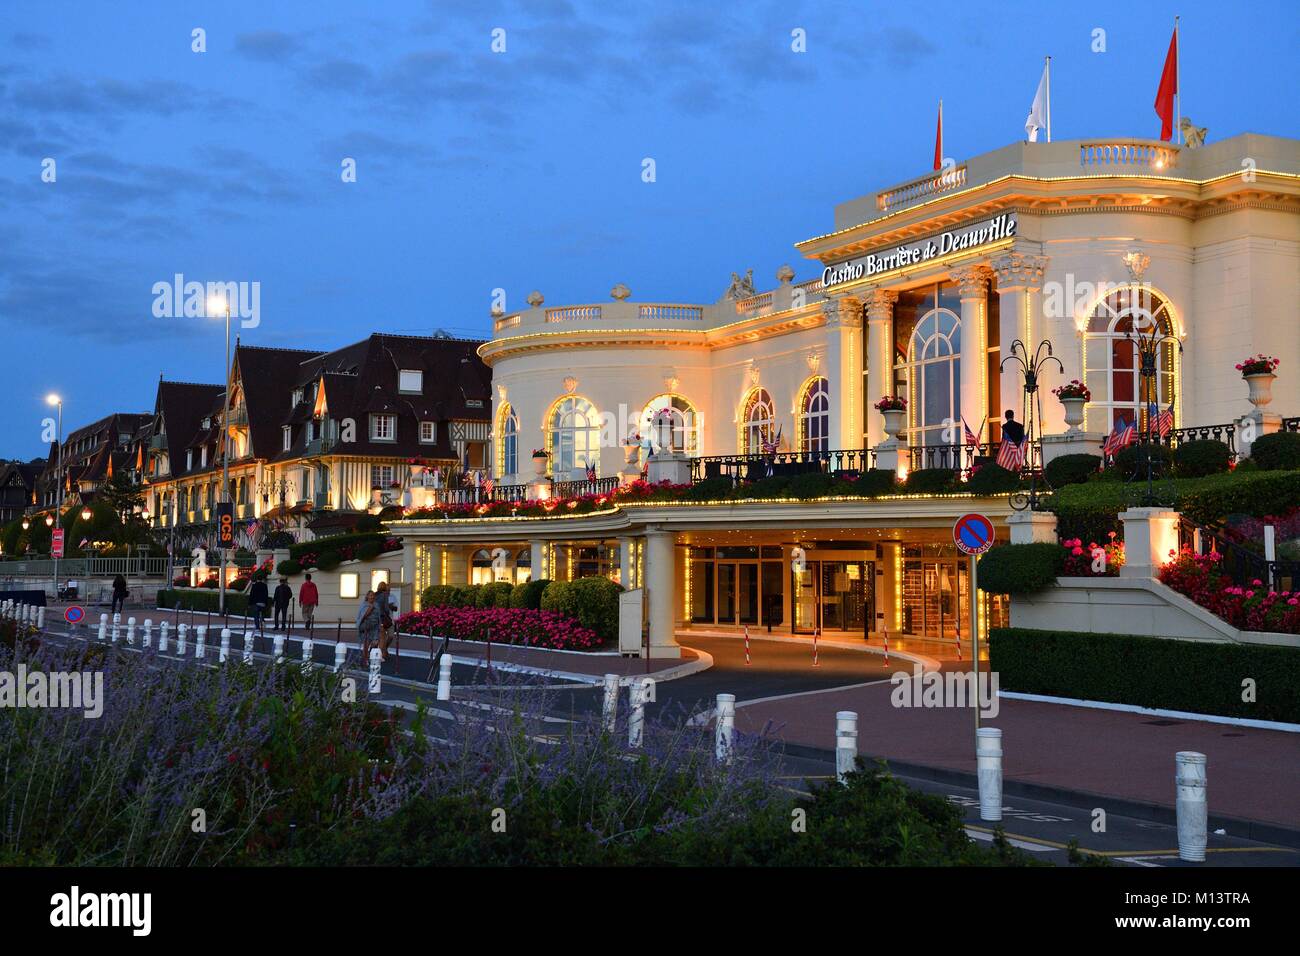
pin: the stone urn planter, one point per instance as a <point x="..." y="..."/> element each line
<point x="1074" y="408"/>
<point x="632" y="453"/>
<point x="895" y="422"/>
<point x="539" y="465"/>
<point x="1260" y="385"/>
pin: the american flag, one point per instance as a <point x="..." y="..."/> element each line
<point x="971" y="437"/>
<point x="1010" y="455"/>
<point x="1124" y="435"/>
<point x="488" y="485"/>
<point x="1162" y="423"/>
<point x="591" y="472"/>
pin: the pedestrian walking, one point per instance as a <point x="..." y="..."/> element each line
<point x="281" y="600"/>
<point x="119" y="593"/>
<point x="308" y="598"/>
<point x="258" y="598"/>
<point x="384" y="601"/>
<point x="368" y="622"/>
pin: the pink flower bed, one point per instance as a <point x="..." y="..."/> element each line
<point x="1094" y="560"/>
<point x="508" y="625"/>
<point x="1254" y="608"/>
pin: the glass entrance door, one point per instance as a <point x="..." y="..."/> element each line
<point x="737" y="592"/>
<point x="834" y="595"/>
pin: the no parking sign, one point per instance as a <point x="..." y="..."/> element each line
<point x="74" y="615"/>
<point x="973" y="534"/>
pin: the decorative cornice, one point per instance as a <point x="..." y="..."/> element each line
<point x="880" y="304"/>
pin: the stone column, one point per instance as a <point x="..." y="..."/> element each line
<point x="660" y="574"/>
<point x="1020" y="277"/>
<point x="880" y="359"/>
<point x="974" y="283"/>
<point x="1150" y="534"/>
<point x="842" y="367"/>
<point x="538" y="555"/>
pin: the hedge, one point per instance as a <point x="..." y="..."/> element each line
<point x="1279" y="451"/>
<point x="332" y="543"/>
<point x="1196" y="676"/>
<point x="1020" y="568"/>
<point x="529" y="594"/>
<point x="592" y="602"/>
<point x="1132" y="461"/>
<point x="1201" y="457"/>
<point x="992" y="479"/>
<point x="1071" y="469"/>
<point x="203" y="599"/>
<point x="495" y="594"/>
<point x="930" y="481"/>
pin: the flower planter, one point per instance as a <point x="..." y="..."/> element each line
<point x="895" y="422"/>
<point x="632" y="453"/>
<point x="539" y="465"/>
<point x="1261" y="388"/>
<point x="1074" y="413"/>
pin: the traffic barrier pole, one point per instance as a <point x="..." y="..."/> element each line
<point x="1191" y="807"/>
<point x="200" y="641"/>
<point x="988" y="766"/>
<point x="816" y="631"/>
<point x="636" y="712"/>
<point x="130" y="631"/>
<point x="308" y="649"/>
<point x="249" y="638"/>
<point x="846" y="743"/>
<point x="181" y="633"/>
<point x="163" y="628"/>
<point x="340" y="654"/>
<point x="885" y="633"/>
<point x="609" y="712"/>
<point x="224" y="654"/>
<point x="444" y="678"/>
<point x="375" y="679"/>
<point x="103" y="627"/>
<point x="277" y="644"/>
<point x="746" y="645"/>
<point x="40" y="618"/>
<point x="146" y="633"/>
<point x="724" y="733"/>
<point x="112" y="634"/>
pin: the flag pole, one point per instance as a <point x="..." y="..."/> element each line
<point x="941" y="132"/>
<point x="1178" y="85"/>
<point x="1049" y="98"/>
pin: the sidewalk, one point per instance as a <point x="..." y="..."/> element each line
<point x="1253" y="774"/>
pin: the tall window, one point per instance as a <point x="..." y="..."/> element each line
<point x="575" y="435"/>
<point x="934" y="376"/>
<point x="1111" y="357"/>
<point x="758" y="421"/>
<point x="383" y="427"/>
<point x="815" y="416"/>
<point x="508" y="455"/>
<point x="684" y="423"/>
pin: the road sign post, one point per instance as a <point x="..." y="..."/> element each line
<point x="973" y="535"/>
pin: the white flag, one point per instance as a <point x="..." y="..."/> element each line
<point x="1037" y="118"/>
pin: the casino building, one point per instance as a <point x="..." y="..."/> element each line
<point x="1099" y="247"/>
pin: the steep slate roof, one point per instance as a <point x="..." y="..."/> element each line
<point x="181" y="407"/>
<point x="267" y="377"/>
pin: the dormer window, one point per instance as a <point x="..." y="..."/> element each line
<point x="297" y="397"/>
<point x="189" y="458"/>
<point x="411" y="381"/>
<point x="383" y="427"/>
<point x="287" y="438"/>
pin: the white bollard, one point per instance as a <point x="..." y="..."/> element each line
<point x="846" y="743"/>
<point x="340" y="654"/>
<point x="163" y="630"/>
<point x="200" y="641"/>
<point x="130" y="631"/>
<point x="636" y="694"/>
<point x="182" y="631"/>
<point x="724" y="732"/>
<point x="1191" y="807"/>
<point x="117" y="618"/>
<point x="444" y="677"/>
<point x="278" y="642"/>
<point x="988" y="767"/>
<point x="375" y="659"/>
<point x="112" y="632"/>
<point x="249" y="637"/>
<point x="224" y="654"/>
<point x="308" y="648"/>
<point x="610" y="709"/>
<point x="103" y="627"/>
<point x="146" y="633"/>
<point x="40" y="618"/>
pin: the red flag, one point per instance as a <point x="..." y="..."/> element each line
<point x="938" y="140"/>
<point x="1168" y="89"/>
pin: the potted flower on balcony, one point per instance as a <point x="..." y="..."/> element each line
<point x="1074" y="395"/>
<point x="1258" y="371"/>
<point x="632" y="448"/>
<point x="541" y="458"/>
<point x="893" y="409"/>
<point x="664" y="430"/>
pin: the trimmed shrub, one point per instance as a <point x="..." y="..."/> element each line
<point x="328" y="560"/>
<point x="774" y="487"/>
<point x="814" y="484"/>
<point x="592" y="602"/>
<point x="1021" y="568"/>
<point x="1196" y="676"/>
<point x="1071" y="469"/>
<point x="1132" y="461"/>
<point x="440" y="595"/>
<point x="1281" y="450"/>
<point x="1205" y="456"/>
<point x="873" y="483"/>
<point x="711" y="489"/>
<point x="495" y="594"/>
<point x="992" y="479"/>
<point x="467" y="595"/>
<point x="930" y="481"/>
<point x="204" y="599"/>
<point x="1259" y="495"/>
<point x="368" y="550"/>
<point x="529" y="594"/>
<point x="367" y="523"/>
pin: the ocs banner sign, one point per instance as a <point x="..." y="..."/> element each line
<point x="911" y="253"/>
<point x="225" y="524"/>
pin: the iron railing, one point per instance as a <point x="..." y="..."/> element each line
<point x="1291" y="424"/>
<point x="962" y="458"/>
<point x="784" y="464"/>
<point x="1226" y="433"/>
<point x="90" y="567"/>
<point x="1242" y="561"/>
<point x="574" y="489"/>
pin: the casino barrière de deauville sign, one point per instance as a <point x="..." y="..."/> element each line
<point x="911" y="253"/>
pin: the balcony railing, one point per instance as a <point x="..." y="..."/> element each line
<point x="652" y="312"/>
<point x="317" y="446"/>
<point x="157" y="442"/>
<point x="785" y="464"/>
<point x="574" y="313"/>
<point x="919" y="190"/>
<point x="574" y="489"/>
<point x="1226" y="433"/>
<point x="1242" y="560"/>
<point x="1127" y="155"/>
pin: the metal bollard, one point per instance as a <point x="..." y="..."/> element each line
<point x="988" y="767"/>
<point x="340" y="654"/>
<point x="130" y="631"/>
<point x="637" y="692"/>
<point x="308" y="647"/>
<point x="146" y="633"/>
<point x="200" y="641"/>
<point x="117" y="618"/>
<point x="375" y="680"/>
<point x="40" y="618"/>
<point x="163" y="629"/>
<point x="112" y="632"/>
<point x="846" y="743"/>
<point x="248" y="647"/>
<point x="610" y="710"/>
<point x="182" y="631"/>
<point x="103" y="627"/>
<point x="224" y="654"/>
<point x="444" y="677"/>
<point x="724" y="733"/>
<point x="1191" y="807"/>
<point x="278" y="643"/>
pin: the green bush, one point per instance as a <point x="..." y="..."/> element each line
<point x="367" y="523"/>
<point x="1279" y="451"/>
<point x="775" y="487"/>
<point x="202" y="600"/>
<point x="288" y="568"/>
<point x="873" y="483"/>
<point x="1132" y="461"/>
<point x="440" y="595"/>
<point x="1020" y="568"/>
<point x="1201" y="457"/>
<point x="529" y="594"/>
<point x="328" y="560"/>
<point x="1259" y="494"/>
<point x="814" y="484"/>
<point x="711" y="489"/>
<point x="368" y="550"/>
<point x="930" y="481"/>
<point x="1071" y="469"/>
<point x="332" y="543"/>
<point x="592" y="602"/>
<point x="1196" y="676"/>
<point x="992" y="479"/>
<point x="495" y="594"/>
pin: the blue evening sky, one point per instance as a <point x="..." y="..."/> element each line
<point x="518" y="170"/>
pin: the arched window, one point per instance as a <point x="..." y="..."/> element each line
<point x="934" y="377"/>
<point x="815" y="416"/>
<point x="507" y="442"/>
<point x="480" y="567"/>
<point x="757" y="421"/>
<point x="684" y="423"/>
<point x="523" y="566"/>
<point x="574" y="435"/>
<point x="1111" y="361"/>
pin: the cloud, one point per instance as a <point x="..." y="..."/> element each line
<point x="267" y="45"/>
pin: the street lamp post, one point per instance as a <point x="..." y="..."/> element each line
<point x="58" y="492"/>
<point x="225" y="457"/>
<point x="1148" y="339"/>
<point x="1031" y="368"/>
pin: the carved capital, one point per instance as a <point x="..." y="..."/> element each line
<point x="843" y="311"/>
<point x="880" y="304"/>
<point x="1019" y="270"/>
<point x="974" y="281"/>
